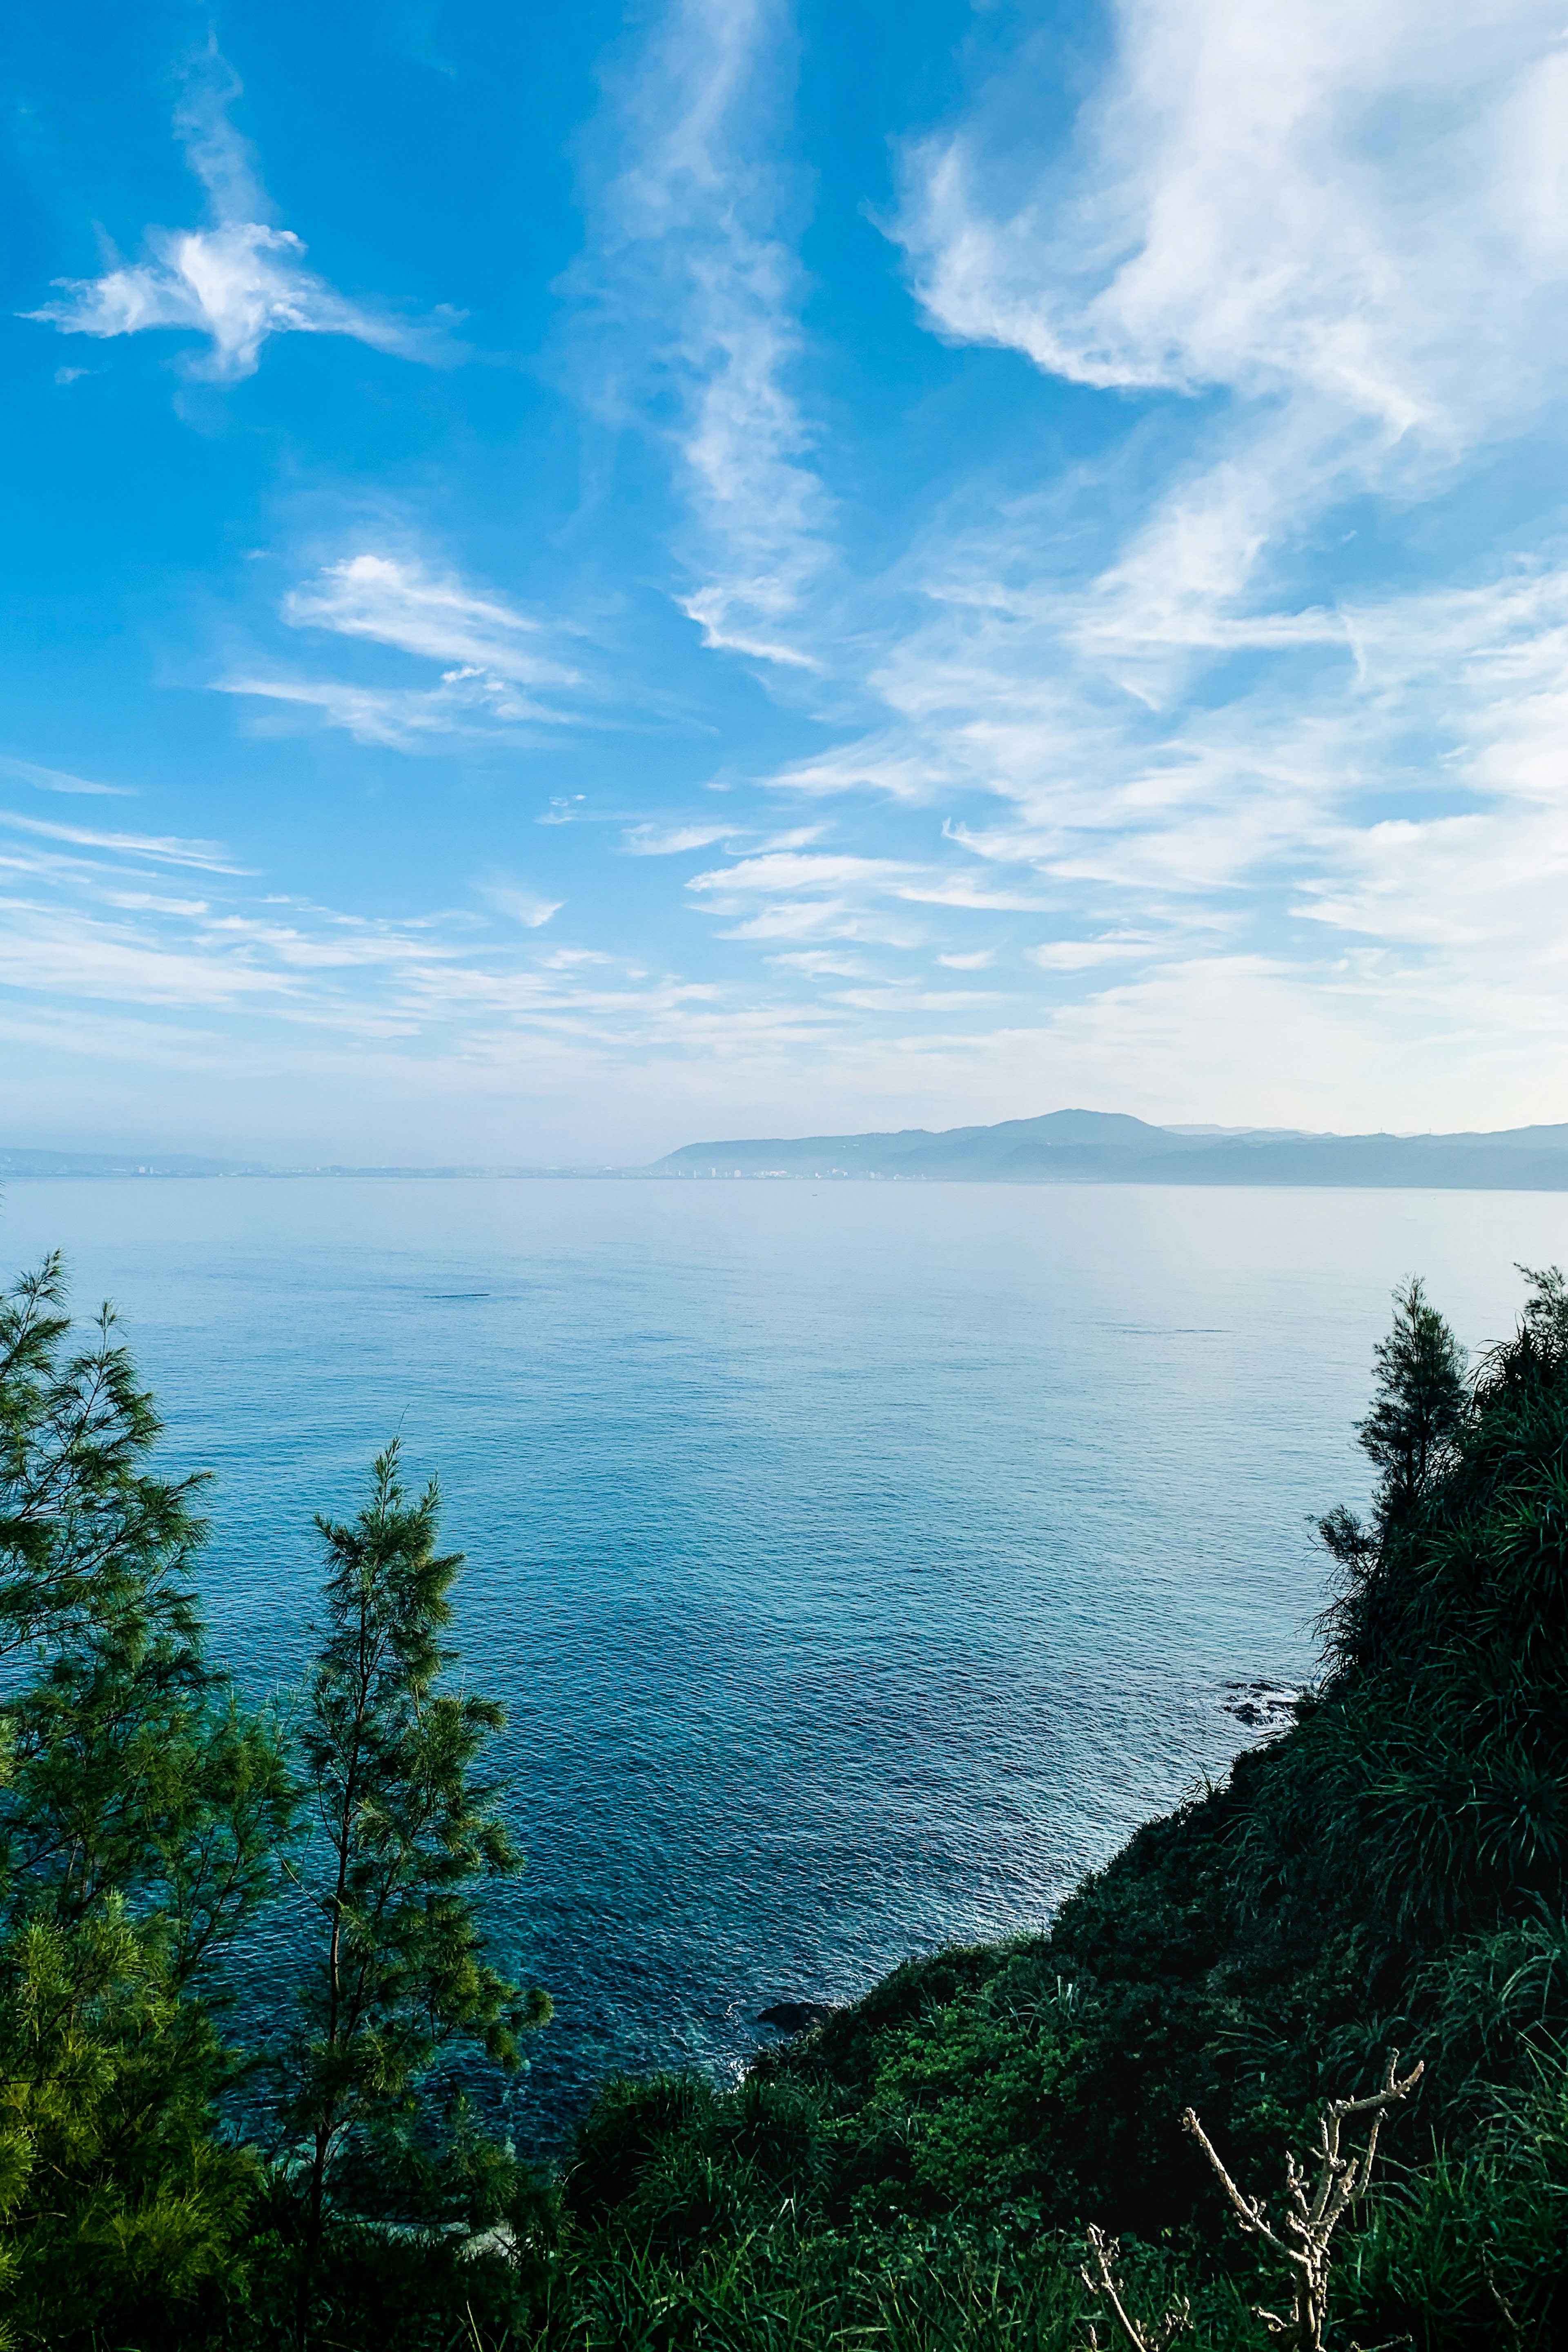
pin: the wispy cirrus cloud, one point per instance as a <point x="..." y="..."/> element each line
<point x="841" y="896"/>
<point x="71" y="953"/>
<point x="1346" y="218"/>
<point x="274" y="982"/>
<point x="797" y="870"/>
<point x="401" y="718"/>
<point x="525" y="907"/>
<point x="693" y="273"/>
<point x="1237" y="728"/>
<point x="505" y="668"/>
<point x="1283" y="200"/>
<point x="397" y="601"/>
<point x="1085" y="955"/>
<point x="241" y="279"/>
<point x="1165" y="696"/>
<point x="159" y="849"/>
<point x="56" y="779"/>
<point x="652" y="840"/>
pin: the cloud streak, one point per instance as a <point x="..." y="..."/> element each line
<point x="56" y="780"/>
<point x="161" y="850"/>
<point x="694" y="277"/>
<point x="236" y="281"/>
<point x="396" y="602"/>
<point x="1346" y="218"/>
<point x="1316" y="256"/>
<point x="1215" y="764"/>
<point x="505" y="671"/>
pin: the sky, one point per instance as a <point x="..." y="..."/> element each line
<point x="579" y="579"/>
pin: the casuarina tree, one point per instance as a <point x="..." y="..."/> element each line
<point x="1421" y="1407"/>
<point x="140" y="1813"/>
<point x="403" y="1828"/>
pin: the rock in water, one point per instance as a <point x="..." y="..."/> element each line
<point x="797" y="2016"/>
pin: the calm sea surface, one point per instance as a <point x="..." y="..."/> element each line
<point x="858" y="1564"/>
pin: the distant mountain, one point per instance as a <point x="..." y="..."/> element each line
<point x="1108" y="1146"/>
<point x="1063" y="1147"/>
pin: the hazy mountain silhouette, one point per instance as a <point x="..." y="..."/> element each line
<point x="1092" y="1146"/>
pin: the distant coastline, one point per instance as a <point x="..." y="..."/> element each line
<point x="1061" y="1147"/>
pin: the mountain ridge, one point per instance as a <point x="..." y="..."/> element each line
<point x="1098" y="1147"/>
<point x="1070" y="1146"/>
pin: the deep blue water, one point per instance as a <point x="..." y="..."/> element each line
<point x="858" y="1564"/>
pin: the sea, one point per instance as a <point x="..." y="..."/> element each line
<point x="858" y="1564"/>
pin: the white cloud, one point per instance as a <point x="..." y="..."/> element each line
<point x="690" y="256"/>
<point x="236" y="281"/>
<point x="403" y="718"/>
<point x="837" y="895"/>
<point x="154" y="902"/>
<point x="56" y="780"/>
<point x="59" y="953"/>
<point x="1299" y="827"/>
<point x="296" y="982"/>
<point x="1083" y="955"/>
<point x="915" y="999"/>
<point x="525" y="907"/>
<point x="1353" y="198"/>
<point x="159" y="850"/>
<point x="822" y="964"/>
<point x="650" y="840"/>
<point x="794" y="870"/>
<point x="667" y="840"/>
<point x="1346" y="215"/>
<point x="393" y="601"/>
<point x="961" y="890"/>
<point x="1344" y="226"/>
<point x="505" y="672"/>
<point x="338" y="942"/>
<point x="852" y="919"/>
<point x="881" y="763"/>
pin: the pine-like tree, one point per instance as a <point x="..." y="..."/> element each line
<point x="141" y="1816"/>
<point x="404" y="1829"/>
<point x="1421" y="1406"/>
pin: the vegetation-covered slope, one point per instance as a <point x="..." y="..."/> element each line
<point x="920" y="2172"/>
<point x="1388" y="1873"/>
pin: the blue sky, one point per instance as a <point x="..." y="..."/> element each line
<point x="582" y="578"/>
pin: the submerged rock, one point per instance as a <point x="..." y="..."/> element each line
<point x="797" y="2016"/>
<point x="1261" y="1706"/>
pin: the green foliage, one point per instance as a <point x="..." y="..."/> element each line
<point x="1390" y="1872"/>
<point x="632" y="2117"/>
<point x="402" y="1829"/>
<point x="122" y="2206"/>
<point x="782" y="2288"/>
<point x="1419" y="1407"/>
<point x="1468" y="2248"/>
<point x="918" y="2173"/>
<point x="131" y="1771"/>
<point x="83" y="1527"/>
<point x="139" y="1821"/>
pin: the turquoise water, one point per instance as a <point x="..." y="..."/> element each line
<point x="858" y="1564"/>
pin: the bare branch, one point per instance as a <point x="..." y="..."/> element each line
<point x="1313" y="2217"/>
<point x="1104" y="2253"/>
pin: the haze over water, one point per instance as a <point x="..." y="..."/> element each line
<point x="858" y="1562"/>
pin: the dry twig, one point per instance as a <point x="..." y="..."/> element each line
<point x="1313" y="2211"/>
<point x="1101" y="2279"/>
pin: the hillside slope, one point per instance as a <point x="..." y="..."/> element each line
<point x="1388" y="1873"/>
